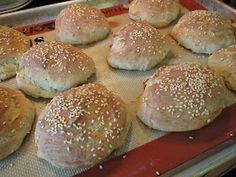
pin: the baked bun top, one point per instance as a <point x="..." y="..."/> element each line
<point x="204" y="22"/>
<point x="185" y="84"/>
<point x="62" y="64"/>
<point x="16" y="118"/>
<point x="203" y="31"/>
<point x="224" y="59"/>
<point x="81" y="126"/>
<point x="78" y="14"/>
<point x="158" y="13"/>
<point x="56" y="57"/>
<point x="12" y="43"/>
<point x="223" y="62"/>
<point x="182" y="97"/>
<point x="140" y="38"/>
<point x="138" y="46"/>
<point x="81" y="24"/>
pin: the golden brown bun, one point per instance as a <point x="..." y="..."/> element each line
<point x="12" y="45"/>
<point x="51" y="67"/>
<point x="224" y="63"/>
<point x="203" y="31"/>
<point x="182" y="97"/>
<point x="81" y="127"/>
<point x="138" y="46"/>
<point x="16" y="118"/>
<point x="158" y="13"/>
<point x="81" y="24"/>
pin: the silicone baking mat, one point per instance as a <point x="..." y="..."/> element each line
<point x="146" y="152"/>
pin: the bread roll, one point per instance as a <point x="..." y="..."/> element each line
<point x="138" y="46"/>
<point x="203" y="31"/>
<point x="51" y="67"/>
<point x="181" y="97"/>
<point x="81" y="127"/>
<point x="157" y="13"/>
<point x="16" y="118"/>
<point x="12" y="45"/>
<point x="81" y="24"/>
<point x="223" y="62"/>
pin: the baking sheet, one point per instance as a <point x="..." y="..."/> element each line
<point x="127" y="84"/>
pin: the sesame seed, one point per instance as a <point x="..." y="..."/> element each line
<point x="68" y="149"/>
<point x="157" y="173"/>
<point x="190" y="137"/>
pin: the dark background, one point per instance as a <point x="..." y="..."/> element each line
<point x="36" y="3"/>
<point x="231" y="2"/>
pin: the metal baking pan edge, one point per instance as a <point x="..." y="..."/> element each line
<point x="44" y="13"/>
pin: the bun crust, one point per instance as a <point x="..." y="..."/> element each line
<point x="12" y="45"/>
<point x="203" y="31"/>
<point x="51" y="67"/>
<point x="158" y="13"/>
<point x="181" y="97"/>
<point x="81" y="24"/>
<point x="223" y="62"/>
<point x="16" y="119"/>
<point x="138" y="46"/>
<point x="81" y="127"/>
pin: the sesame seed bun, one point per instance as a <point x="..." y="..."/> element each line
<point x="203" y="31"/>
<point x="181" y="97"/>
<point x="223" y="62"/>
<point x="12" y="45"/>
<point x="81" y="24"/>
<point x="51" y="67"/>
<point x="16" y="119"/>
<point x="81" y="127"/>
<point x="158" y="13"/>
<point x="138" y="46"/>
